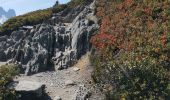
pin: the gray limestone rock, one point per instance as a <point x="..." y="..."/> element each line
<point x="3" y="38"/>
<point x="69" y="82"/>
<point x="28" y="90"/>
<point x="76" y="69"/>
<point x="33" y="50"/>
<point x="59" y="41"/>
<point x="72" y="40"/>
<point x="2" y="56"/>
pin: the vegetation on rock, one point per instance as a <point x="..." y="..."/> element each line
<point x="131" y="52"/>
<point x="31" y="18"/>
<point x="36" y="17"/>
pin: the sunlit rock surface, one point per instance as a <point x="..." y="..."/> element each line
<point x="60" y="41"/>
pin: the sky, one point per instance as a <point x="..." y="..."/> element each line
<point x="24" y="6"/>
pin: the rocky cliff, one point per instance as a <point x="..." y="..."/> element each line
<point x="59" y="41"/>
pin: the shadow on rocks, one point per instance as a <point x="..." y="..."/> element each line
<point x="31" y="97"/>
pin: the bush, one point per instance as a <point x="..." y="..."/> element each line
<point x="136" y="64"/>
<point x="32" y="18"/>
<point x="37" y="17"/>
<point x="59" y="8"/>
<point x="7" y="72"/>
<point x="70" y="5"/>
<point x="74" y="3"/>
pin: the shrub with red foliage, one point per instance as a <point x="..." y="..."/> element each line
<point x="105" y="24"/>
<point x="103" y="40"/>
<point x="131" y="51"/>
<point x="147" y="11"/>
<point x="163" y="39"/>
<point x="128" y="2"/>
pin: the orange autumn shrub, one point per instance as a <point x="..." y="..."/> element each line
<point x="101" y="41"/>
<point x="131" y="52"/>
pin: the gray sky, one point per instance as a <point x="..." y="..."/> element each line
<point x="24" y="6"/>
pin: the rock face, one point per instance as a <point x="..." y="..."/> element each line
<point x="72" y="39"/>
<point x="33" y="48"/>
<point x="61" y="40"/>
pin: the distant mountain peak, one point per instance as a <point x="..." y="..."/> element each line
<point x="5" y="15"/>
<point x="3" y="19"/>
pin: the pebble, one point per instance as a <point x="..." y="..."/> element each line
<point x="69" y="82"/>
<point x="76" y="69"/>
<point x="57" y="98"/>
<point x="68" y="72"/>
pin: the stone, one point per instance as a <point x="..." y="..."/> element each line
<point x="67" y="72"/>
<point x="76" y="69"/>
<point x="69" y="82"/>
<point x="28" y="90"/>
<point x="30" y="86"/>
<point x="57" y="98"/>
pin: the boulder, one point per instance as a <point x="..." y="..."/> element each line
<point x="28" y="90"/>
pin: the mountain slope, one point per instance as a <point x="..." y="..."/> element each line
<point x="59" y="40"/>
<point x="131" y="50"/>
<point x="37" y="17"/>
<point x="55" y="43"/>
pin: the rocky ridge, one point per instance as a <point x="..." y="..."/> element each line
<point x="42" y="50"/>
<point x="58" y="42"/>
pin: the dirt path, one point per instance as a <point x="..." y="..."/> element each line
<point x="57" y="82"/>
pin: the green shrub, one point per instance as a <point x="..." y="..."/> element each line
<point x="70" y="5"/>
<point x="7" y="72"/>
<point x="74" y="3"/>
<point x="36" y="17"/>
<point x="130" y="78"/>
<point x="59" y="8"/>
